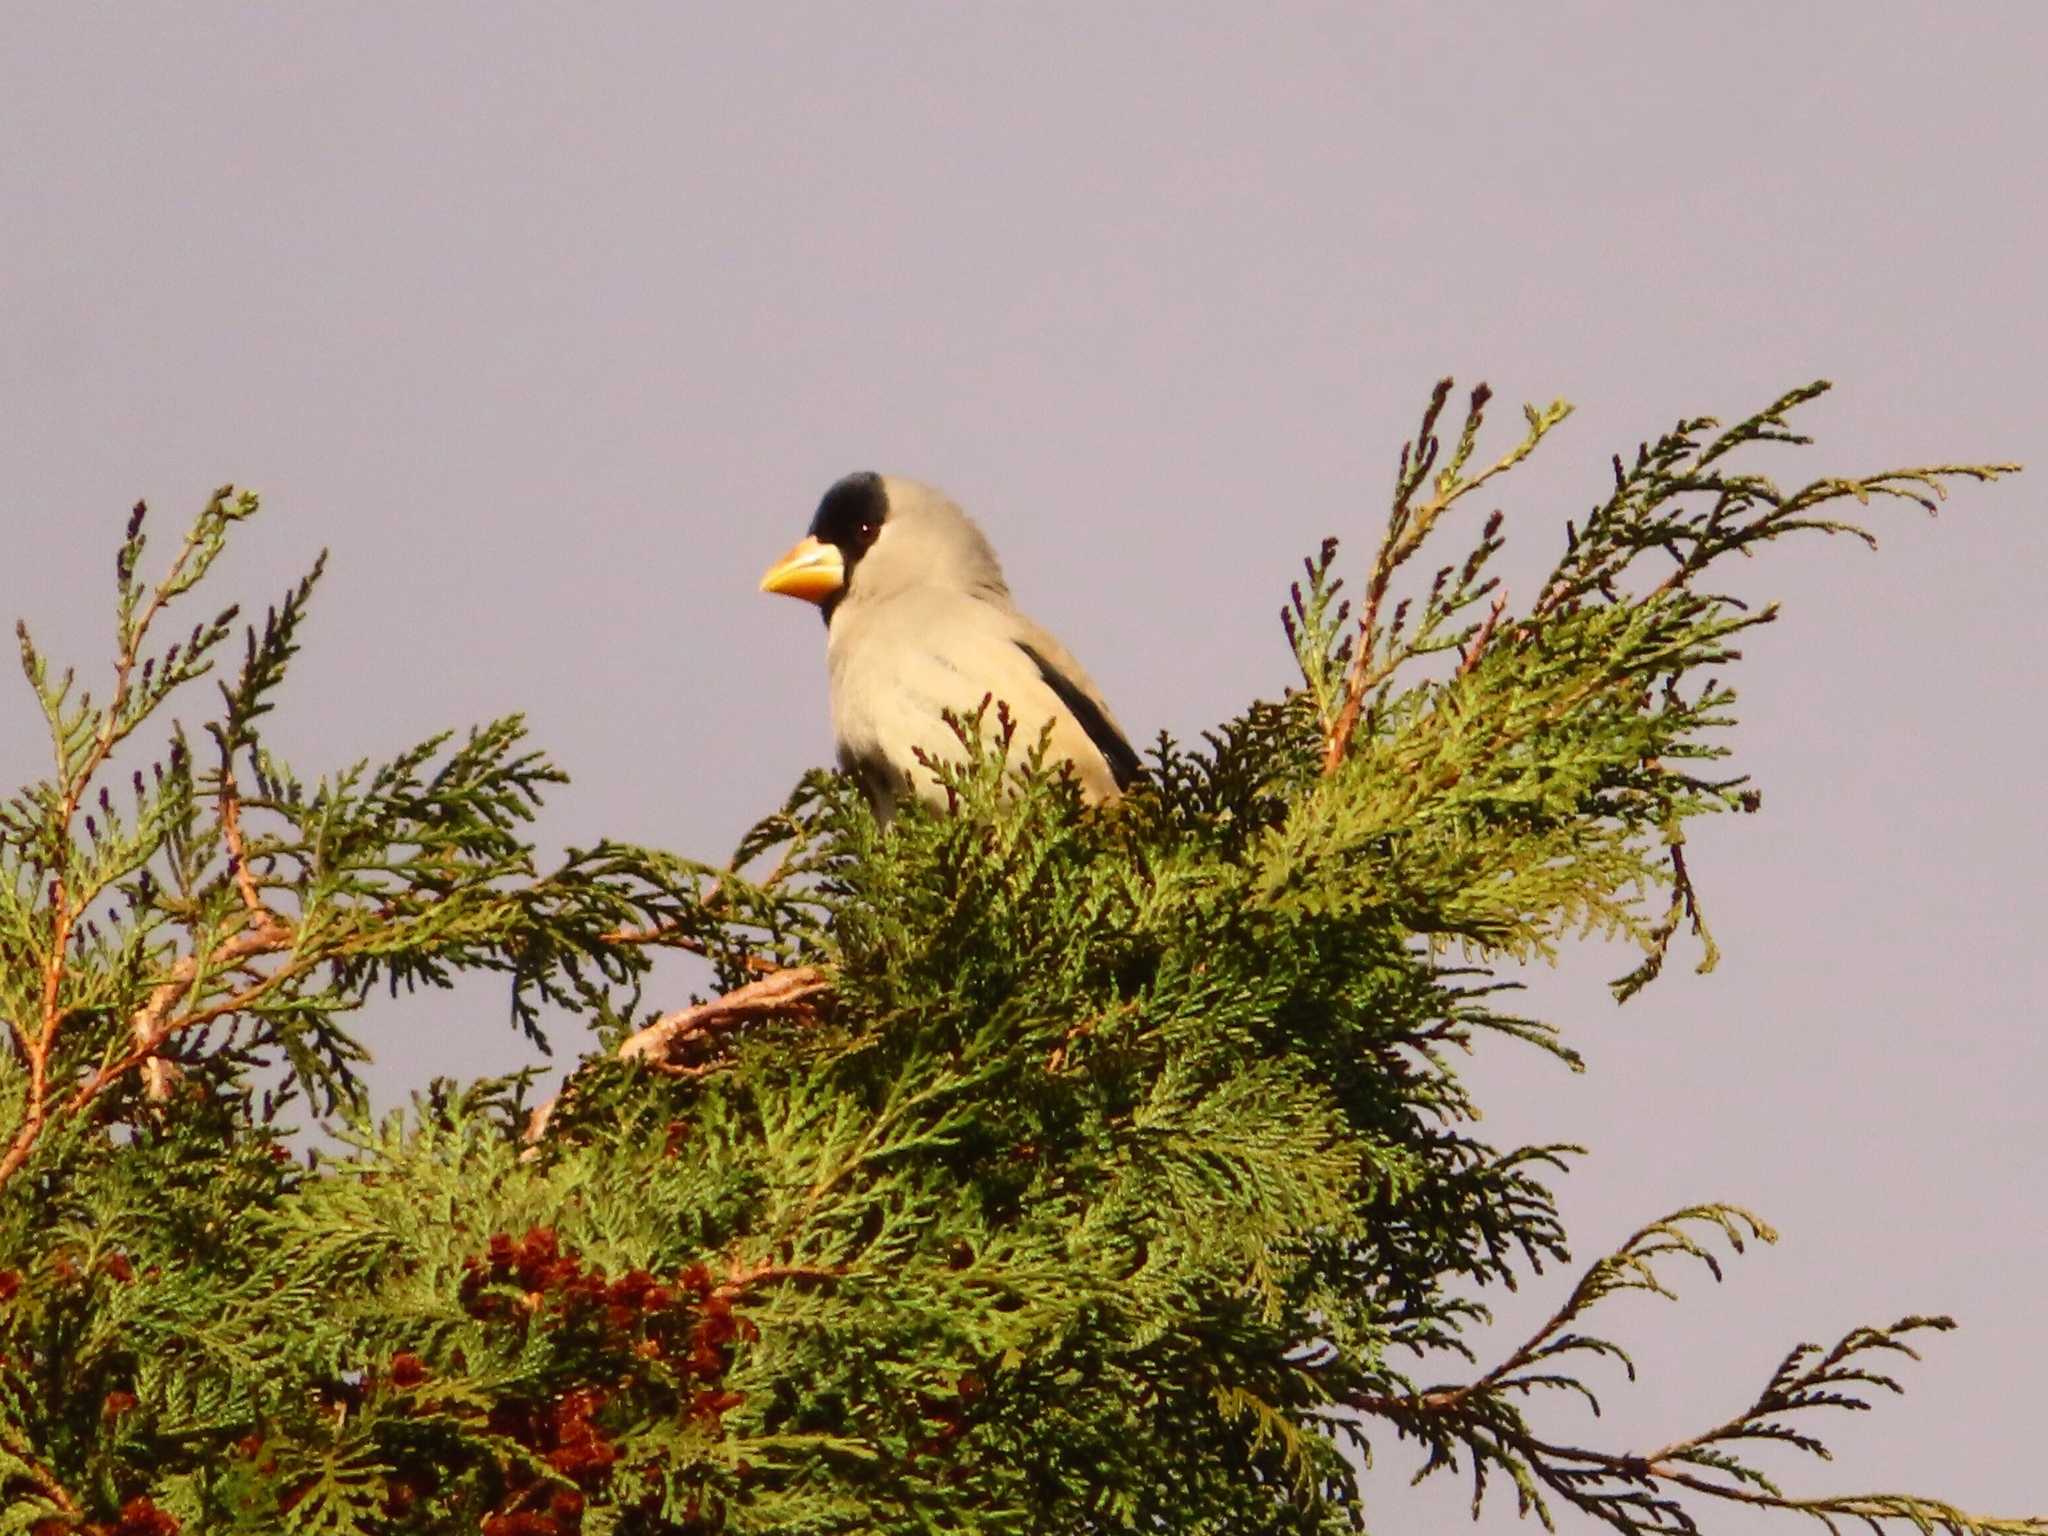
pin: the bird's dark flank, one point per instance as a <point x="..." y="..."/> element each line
<point x="1109" y="741"/>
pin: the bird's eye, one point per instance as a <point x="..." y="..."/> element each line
<point x="865" y="533"/>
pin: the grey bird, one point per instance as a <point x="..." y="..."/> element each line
<point x="918" y="620"/>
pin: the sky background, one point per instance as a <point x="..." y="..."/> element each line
<point x="553" y="323"/>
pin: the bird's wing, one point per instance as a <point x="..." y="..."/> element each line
<point x="1077" y="690"/>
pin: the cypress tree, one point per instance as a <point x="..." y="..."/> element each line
<point x="1029" y="1168"/>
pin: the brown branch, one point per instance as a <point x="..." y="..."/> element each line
<point x="739" y="1281"/>
<point x="266" y="935"/>
<point x="1441" y="1400"/>
<point x="1407" y="527"/>
<point x="784" y="993"/>
<point x="230" y="802"/>
<point x="700" y="1028"/>
<point x="152" y="1025"/>
<point x="1553" y="595"/>
<point x="45" y="1481"/>
<point x="537" y="1119"/>
<point x="144" y="1053"/>
<point x="1056" y="1059"/>
<point x="1476" y="646"/>
<point x="64" y="915"/>
<point x="158" y="1075"/>
<point x="669" y="935"/>
<point x="1366" y="673"/>
<point x="666" y="934"/>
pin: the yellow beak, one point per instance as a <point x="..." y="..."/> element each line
<point x="812" y="571"/>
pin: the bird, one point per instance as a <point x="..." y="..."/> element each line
<point x="919" y="621"/>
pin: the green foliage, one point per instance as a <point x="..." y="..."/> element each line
<point x="1033" y="1170"/>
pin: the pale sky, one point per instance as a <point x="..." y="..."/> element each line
<point x="553" y="323"/>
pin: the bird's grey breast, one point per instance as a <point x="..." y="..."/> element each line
<point x="895" y="667"/>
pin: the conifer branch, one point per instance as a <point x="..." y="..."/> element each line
<point x="1376" y="656"/>
<point x="84" y="740"/>
<point x="688" y="1042"/>
<point x="27" y="1467"/>
<point x="670" y="1043"/>
<point x="1622" y="1489"/>
<point x="669" y="933"/>
<point x="1474" y="648"/>
<point x="154" y="1024"/>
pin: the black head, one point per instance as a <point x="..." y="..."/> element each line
<point x="851" y="515"/>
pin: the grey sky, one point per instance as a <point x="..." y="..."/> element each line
<point x="553" y="322"/>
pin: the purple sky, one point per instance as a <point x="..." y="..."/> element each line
<point x="554" y="329"/>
